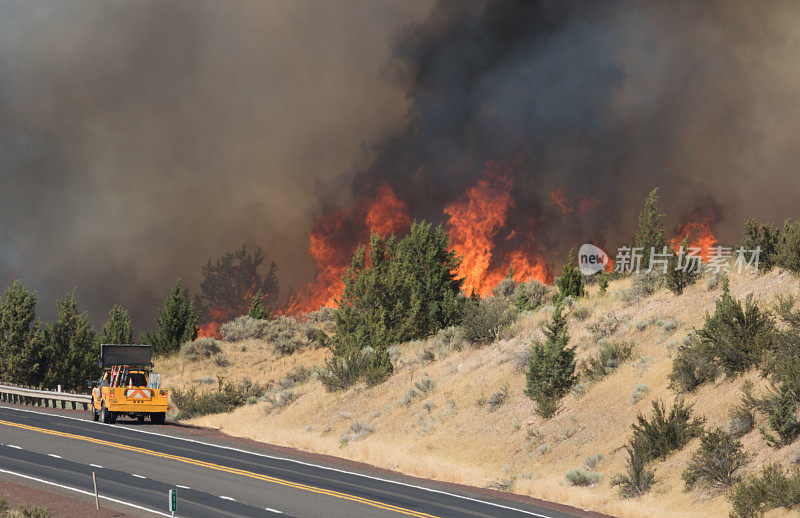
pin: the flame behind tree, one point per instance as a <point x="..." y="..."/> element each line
<point x="229" y="285"/>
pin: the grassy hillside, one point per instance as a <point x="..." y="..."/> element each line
<point x="463" y="417"/>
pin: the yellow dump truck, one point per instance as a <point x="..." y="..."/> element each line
<point x="128" y="387"/>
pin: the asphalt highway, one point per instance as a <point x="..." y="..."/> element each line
<point x="136" y="466"/>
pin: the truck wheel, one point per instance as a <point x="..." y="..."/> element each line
<point x="157" y="418"/>
<point x="95" y="413"/>
<point x="112" y="417"/>
<point x="105" y="415"/>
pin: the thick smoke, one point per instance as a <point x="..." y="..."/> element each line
<point x="601" y="100"/>
<point x="138" y="140"/>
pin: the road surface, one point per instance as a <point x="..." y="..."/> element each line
<point x="136" y="466"/>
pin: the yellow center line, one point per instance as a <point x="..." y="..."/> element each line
<point x="218" y="467"/>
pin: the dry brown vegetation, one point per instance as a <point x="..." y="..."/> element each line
<point x="450" y="432"/>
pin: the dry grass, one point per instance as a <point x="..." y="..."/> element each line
<point x="455" y="438"/>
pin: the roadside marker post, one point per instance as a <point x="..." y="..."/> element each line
<point x="173" y="501"/>
<point x="96" y="496"/>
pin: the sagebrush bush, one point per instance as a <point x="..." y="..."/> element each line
<point x="357" y="431"/>
<point x="244" y="327"/>
<point x="341" y="372"/>
<point x="581" y="313"/>
<point x="449" y="338"/>
<point x="227" y="397"/>
<point x="664" y="432"/>
<point x="201" y="348"/>
<point x="593" y="460"/>
<point x="771" y="489"/>
<point x="484" y="319"/>
<point x="741" y="420"/>
<point x="220" y="360"/>
<point x="498" y="398"/>
<point x="505" y="288"/>
<point x="530" y="295"/>
<point x="717" y="462"/>
<point x="605" y="326"/>
<point x="608" y="359"/>
<point x="639" y="392"/>
<point x="582" y="477"/>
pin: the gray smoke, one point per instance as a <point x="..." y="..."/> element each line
<point x="138" y="140"/>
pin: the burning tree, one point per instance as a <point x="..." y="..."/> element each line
<point x="229" y="286"/>
<point x="393" y="292"/>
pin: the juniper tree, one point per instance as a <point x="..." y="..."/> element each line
<point x="71" y="347"/>
<point x="177" y="323"/>
<point x="651" y="230"/>
<point x="230" y="281"/>
<point x="118" y="328"/>
<point x="394" y="292"/>
<point x="764" y="237"/>
<point x="259" y="309"/>
<point x="570" y="284"/>
<point x="20" y="338"/>
<point x="551" y="366"/>
<point x="680" y="276"/>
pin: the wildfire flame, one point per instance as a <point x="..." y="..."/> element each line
<point x="698" y="230"/>
<point x="474" y="222"/>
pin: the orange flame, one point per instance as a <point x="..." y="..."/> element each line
<point x="698" y="229"/>
<point x="474" y="222"/>
<point x="386" y="214"/>
<point x="584" y="205"/>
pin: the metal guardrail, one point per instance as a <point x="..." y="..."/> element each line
<point x="46" y="398"/>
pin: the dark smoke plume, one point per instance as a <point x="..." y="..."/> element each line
<point x="139" y="140"/>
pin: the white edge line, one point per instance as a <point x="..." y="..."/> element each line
<point x="182" y="487"/>
<point x="228" y="498"/>
<point x="271" y="510"/>
<point x="96" y="466"/>
<point x="137" y="476"/>
<point x="89" y="493"/>
<point x="285" y="459"/>
<point x="54" y="455"/>
<point x="13" y="446"/>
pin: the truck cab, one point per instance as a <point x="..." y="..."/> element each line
<point x="128" y="387"/>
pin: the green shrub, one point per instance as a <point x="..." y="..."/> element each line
<point x="220" y="360"/>
<point x="582" y="477"/>
<point x="737" y="336"/>
<point x="664" y="432"/>
<point x="341" y="372"/>
<point x="449" y="338"/>
<point x="608" y="359"/>
<point x="693" y="366"/>
<point x="177" y="323"/>
<point x="788" y="249"/>
<point x="757" y="494"/>
<point x="603" y="278"/>
<point x="570" y="284"/>
<point x="606" y="325"/>
<point x="581" y="313"/>
<point x="5" y="506"/>
<point x="717" y="461"/>
<point x="551" y="368"/>
<point x="484" y="319"/>
<point x="651" y="231"/>
<point x="780" y="410"/>
<point x="680" y="276"/>
<point x="33" y="511"/>
<point x="741" y="420"/>
<point x="762" y="236"/>
<point x="638" y="477"/>
<point x="498" y="398"/>
<point x="227" y="397"/>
